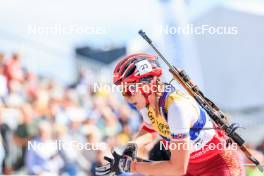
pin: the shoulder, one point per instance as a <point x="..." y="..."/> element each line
<point x="181" y="102"/>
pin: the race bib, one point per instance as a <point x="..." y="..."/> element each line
<point x="143" y="67"/>
<point x="159" y="124"/>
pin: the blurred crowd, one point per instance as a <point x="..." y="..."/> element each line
<point x="40" y="110"/>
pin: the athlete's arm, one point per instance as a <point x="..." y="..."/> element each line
<point x="145" y="135"/>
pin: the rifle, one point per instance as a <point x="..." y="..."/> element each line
<point x="212" y="110"/>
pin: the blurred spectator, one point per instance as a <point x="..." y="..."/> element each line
<point x="3" y="83"/>
<point x="89" y="156"/>
<point x="6" y="140"/>
<point x="124" y="115"/>
<point x="30" y="85"/>
<point x="2" y="154"/>
<point x="42" y="155"/>
<point x="13" y="69"/>
<point x="67" y="152"/>
<point x="125" y="135"/>
<point x="16" y="95"/>
<point x="24" y="132"/>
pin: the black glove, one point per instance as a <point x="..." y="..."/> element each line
<point x="130" y="150"/>
<point x="118" y="165"/>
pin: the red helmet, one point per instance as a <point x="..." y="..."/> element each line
<point x="136" y="68"/>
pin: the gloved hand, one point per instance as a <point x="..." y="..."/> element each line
<point x="112" y="167"/>
<point x="130" y="150"/>
<point x="125" y="163"/>
<point x="118" y="164"/>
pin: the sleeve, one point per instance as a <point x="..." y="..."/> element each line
<point x="180" y="117"/>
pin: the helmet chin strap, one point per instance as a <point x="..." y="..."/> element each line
<point x="147" y="94"/>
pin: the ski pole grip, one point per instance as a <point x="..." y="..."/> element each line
<point x="144" y="36"/>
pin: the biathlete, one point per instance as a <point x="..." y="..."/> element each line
<point x="178" y="119"/>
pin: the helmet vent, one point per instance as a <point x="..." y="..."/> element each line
<point x="130" y="71"/>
